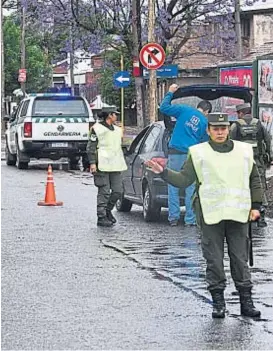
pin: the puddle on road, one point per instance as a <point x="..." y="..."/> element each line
<point x="174" y="254"/>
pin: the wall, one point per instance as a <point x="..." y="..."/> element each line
<point x="262" y="29"/>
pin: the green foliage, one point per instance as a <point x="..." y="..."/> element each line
<point x="37" y="62"/>
<point x="109" y="92"/>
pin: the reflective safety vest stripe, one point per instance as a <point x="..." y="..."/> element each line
<point x="224" y="190"/>
<point x="110" y="155"/>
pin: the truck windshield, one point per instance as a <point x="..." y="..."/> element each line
<point x="58" y="106"/>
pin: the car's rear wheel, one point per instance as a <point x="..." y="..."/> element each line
<point x="123" y="205"/>
<point x="151" y="210"/>
<point x="10" y="159"/>
<point x="19" y="159"/>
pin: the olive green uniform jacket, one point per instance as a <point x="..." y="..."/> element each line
<point x="187" y="176"/>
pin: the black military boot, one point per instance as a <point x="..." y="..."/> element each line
<point x="261" y="223"/>
<point x="219" y="306"/>
<point x="247" y="307"/>
<point x="104" y="222"/>
<point x="110" y="217"/>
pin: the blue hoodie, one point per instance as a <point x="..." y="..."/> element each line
<point x="191" y="124"/>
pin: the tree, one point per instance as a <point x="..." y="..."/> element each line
<point x="37" y="64"/>
<point x="196" y="26"/>
<point x="9" y="4"/>
<point x="178" y="21"/>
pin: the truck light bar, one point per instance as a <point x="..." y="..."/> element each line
<point x="49" y="94"/>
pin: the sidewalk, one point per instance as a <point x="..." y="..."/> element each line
<point x="129" y="134"/>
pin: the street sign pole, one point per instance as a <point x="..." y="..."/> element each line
<point x="23" y="47"/>
<point x="152" y="79"/>
<point x="122" y="80"/>
<point x="122" y="97"/>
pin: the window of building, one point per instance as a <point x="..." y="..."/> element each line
<point x="245" y="27"/>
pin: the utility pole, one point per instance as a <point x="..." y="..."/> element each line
<point x="2" y="74"/>
<point x="136" y="31"/>
<point x="23" y="45"/>
<point x="238" y="29"/>
<point x="153" y="110"/>
<point x="122" y="97"/>
<point x="71" y="59"/>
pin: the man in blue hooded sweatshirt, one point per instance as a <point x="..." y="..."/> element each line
<point x="190" y="129"/>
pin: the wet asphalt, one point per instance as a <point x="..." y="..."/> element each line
<point x="68" y="285"/>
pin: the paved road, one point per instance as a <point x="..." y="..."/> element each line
<point x="67" y="285"/>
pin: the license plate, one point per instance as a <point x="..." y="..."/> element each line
<point x="59" y="144"/>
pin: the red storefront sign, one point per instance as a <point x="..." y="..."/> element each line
<point x="240" y="76"/>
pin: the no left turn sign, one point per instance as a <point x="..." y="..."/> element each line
<point x="152" y="56"/>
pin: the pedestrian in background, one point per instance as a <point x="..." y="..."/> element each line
<point x="228" y="196"/>
<point x="251" y="131"/>
<point x="106" y="161"/>
<point x="190" y="129"/>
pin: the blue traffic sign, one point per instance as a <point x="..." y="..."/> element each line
<point x="122" y="79"/>
<point x="166" y="71"/>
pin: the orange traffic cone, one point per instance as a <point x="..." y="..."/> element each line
<point x="50" y="198"/>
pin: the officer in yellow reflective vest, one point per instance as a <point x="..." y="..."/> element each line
<point x="106" y="161"/>
<point x="228" y="195"/>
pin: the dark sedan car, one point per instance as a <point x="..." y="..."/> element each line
<point x="141" y="186"/>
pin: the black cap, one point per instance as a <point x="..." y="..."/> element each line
<point x="218" y="119"/>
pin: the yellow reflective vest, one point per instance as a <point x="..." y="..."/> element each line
<point x="224" y="190"/>
<point x="110" y="155"/>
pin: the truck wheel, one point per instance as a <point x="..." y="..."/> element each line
<point x="85" y="163"/>
<point x="73" y="163"/>
<point x="10" y="159"/>
<point x="19" y="156"/>
<point x="123" y="205"/>
<point x="151" y="210"/>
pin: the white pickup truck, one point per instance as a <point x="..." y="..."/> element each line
<point x="48" y="126"/>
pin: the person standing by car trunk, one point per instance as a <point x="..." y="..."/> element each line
<point x="250" y="130"/>
<point x="106" y="160"/>
<point x="228" y="196"/>
<point x="190" y="129"/>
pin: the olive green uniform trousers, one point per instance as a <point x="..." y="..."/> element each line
<point x="213" y="238"/>
<point x="109" y="186"/>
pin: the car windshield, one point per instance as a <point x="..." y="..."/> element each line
<point x="223" y="104"/>
<point x="59" y="106"/>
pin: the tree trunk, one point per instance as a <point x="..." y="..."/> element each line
<point x="2" y="77"/>
<point x="23" y="44"/>
<point x="136" y="31"/>
<point x="238" y="30"/>
<point x="71" y="60"/>
<point x="153" y="110"/>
